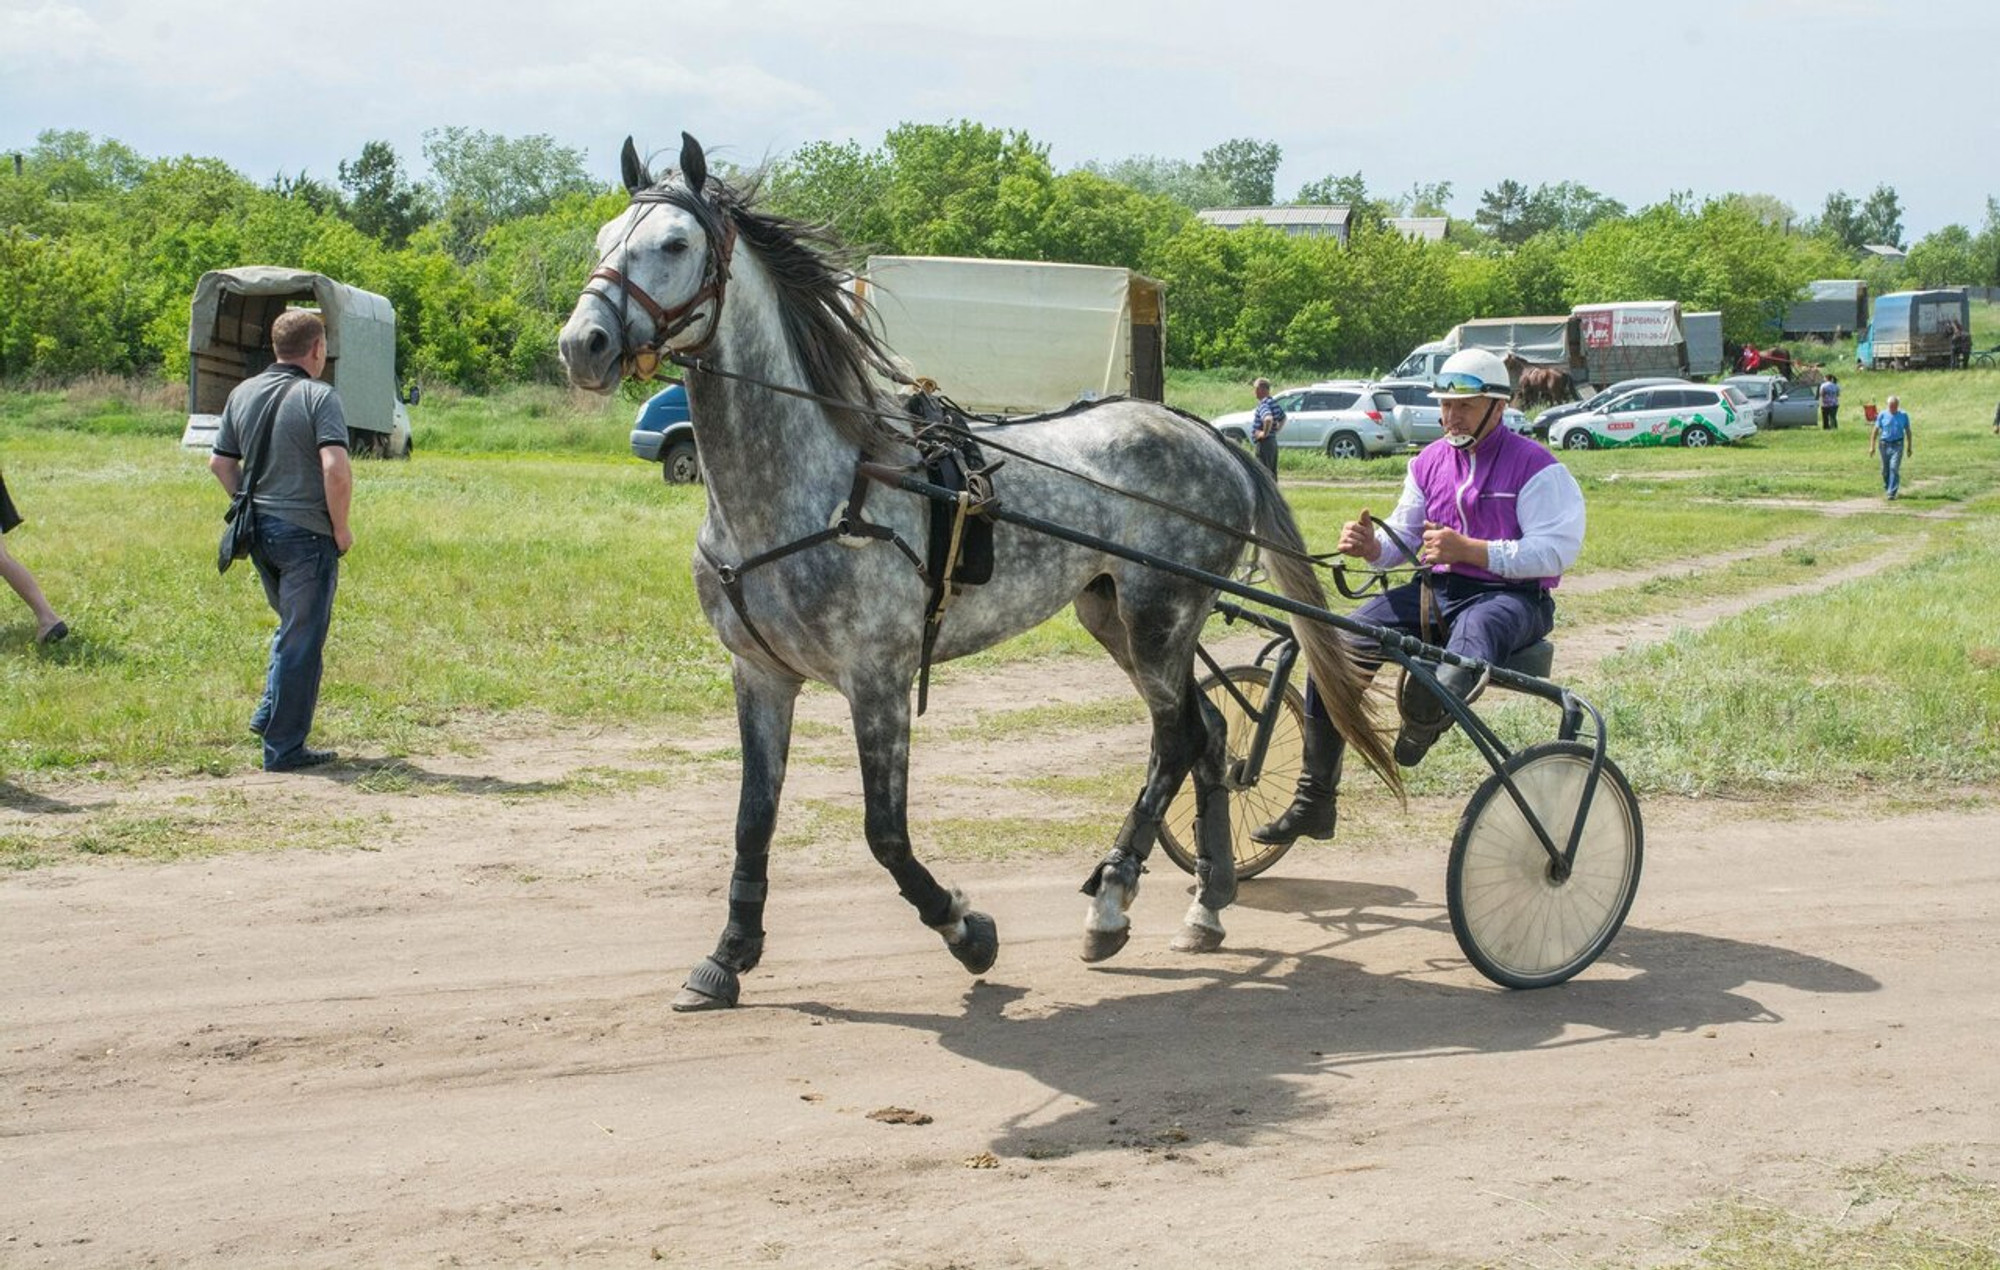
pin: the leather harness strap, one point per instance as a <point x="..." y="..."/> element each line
<point x="850" y="525"/>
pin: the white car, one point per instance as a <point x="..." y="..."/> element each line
<point x="1668" y="414"/>
<point x="1420" y="420"/>
<point x="1344" y="418"/>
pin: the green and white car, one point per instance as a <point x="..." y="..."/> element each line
<point x="1662" y="414"/>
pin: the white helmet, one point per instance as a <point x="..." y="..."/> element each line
<point x="1473" y="372"/>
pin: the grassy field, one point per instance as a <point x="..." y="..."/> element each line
<point x="524" y="568"/>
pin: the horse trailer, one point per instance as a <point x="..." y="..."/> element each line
<point x="229" y="340"/>
<point x="1021" y="336"/>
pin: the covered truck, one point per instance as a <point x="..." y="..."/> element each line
<point x="1596" y="343"/>
<point x="1918" y="328"/>
<point x="229" y="340"/>
<point x="1833" y="308"/>
<point x="1546" y="341"/>
<point x="1021" y="336"/>
<point x="1630" y="340"/>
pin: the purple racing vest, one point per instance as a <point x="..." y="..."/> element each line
<point x="1476" y="490"/>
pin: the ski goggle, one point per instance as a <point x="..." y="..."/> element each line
<point x="1460" y="383"/>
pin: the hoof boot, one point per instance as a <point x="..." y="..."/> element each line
<point x="981" y="945"/>
<point x="712" y="986"/>
<point x="1100" y="944"/>
<point x="1197" y="939"/>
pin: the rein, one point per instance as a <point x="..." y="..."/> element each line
<point x="687" y="361"/>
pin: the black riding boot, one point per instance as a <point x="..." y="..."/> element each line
<point x="1424" y="720"/>
<point x="1313" y="809"/>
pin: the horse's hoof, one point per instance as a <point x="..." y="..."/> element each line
<point x="689" y="1001"/>
<point x="710" y="986"/>
<point x="1100" y="944"/>
<point x="1196" y="939"/>
<point x="981" y="945"/>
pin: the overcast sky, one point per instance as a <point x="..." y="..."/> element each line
<point x="1787" y="97"/>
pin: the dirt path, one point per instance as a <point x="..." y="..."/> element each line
<point x="452" y="1047"/>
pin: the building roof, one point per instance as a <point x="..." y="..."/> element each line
<point x="1424" y="229"/>
<point x="1888" y="251"/>
<point x="1331" y="215"/>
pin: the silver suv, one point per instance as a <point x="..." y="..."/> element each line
<point x="1344" y="418"/>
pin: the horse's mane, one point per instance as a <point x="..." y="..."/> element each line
<point x="824" y="324"/>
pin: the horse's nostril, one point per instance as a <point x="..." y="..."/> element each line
<point x="598" y="340"/>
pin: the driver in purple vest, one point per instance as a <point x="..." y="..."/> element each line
<point x="1498" y="519"/>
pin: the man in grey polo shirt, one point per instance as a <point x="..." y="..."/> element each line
<point x="299" y="498"/>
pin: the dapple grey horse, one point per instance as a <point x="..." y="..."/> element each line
<point x="694" y="266"/>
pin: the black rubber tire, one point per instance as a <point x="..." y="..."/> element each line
<point x="1518" y="927"/>
<point x="1579" y="439"/>
<point x="1697" y="437"/>
<point x="1345" y="445"/>
<point x="1257" y="804"/>
<point x="681" y="464"/>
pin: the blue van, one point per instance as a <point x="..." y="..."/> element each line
<point x="664" y="434"/>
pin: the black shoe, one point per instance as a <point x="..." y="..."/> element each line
<point x="54" y="635"/>
<point x="302" y="759"/>
<point x="1424" y="718"/>
<point x="1311" y="815"/>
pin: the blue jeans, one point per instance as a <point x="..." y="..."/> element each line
<point x="1892" y="466"/>
<point x="300" y="570"/>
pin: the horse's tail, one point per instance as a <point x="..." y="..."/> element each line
<point x="1343" y="687"/>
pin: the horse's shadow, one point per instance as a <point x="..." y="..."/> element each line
<point x="400" y="776"/>
<point x="1242" y="1042"/>
<point x="12" y="795"/>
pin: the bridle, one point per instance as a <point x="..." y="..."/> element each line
<point x="643" y="362"/>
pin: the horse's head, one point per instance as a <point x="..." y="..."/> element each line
<point x="663" y="268"/>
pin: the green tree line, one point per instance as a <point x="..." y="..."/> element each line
<point x="100" y="247"/>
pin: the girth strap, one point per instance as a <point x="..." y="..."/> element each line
<point x="850" y="525"/>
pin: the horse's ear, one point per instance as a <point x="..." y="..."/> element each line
<point x="633" y="168"/>
<point x="694" y="164"/>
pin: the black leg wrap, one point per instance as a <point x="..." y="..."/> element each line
<point x="740" y="949"/>
<point x="1215" y="871"/>
<point x="937" y="911"/>
<point x="1125" y="866"/>
<point x="981" y="946"/>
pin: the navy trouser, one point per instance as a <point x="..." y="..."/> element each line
<point x="1487" y="622"/>
<point x="300" y="569"/>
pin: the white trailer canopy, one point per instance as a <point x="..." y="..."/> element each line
<point x="1008" y="335"/>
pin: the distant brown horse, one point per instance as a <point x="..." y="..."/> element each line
<point x="1747" y="359"/>
<point x="1539" y="385"/>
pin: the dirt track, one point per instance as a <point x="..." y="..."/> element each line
<point x="455" y="1048"/>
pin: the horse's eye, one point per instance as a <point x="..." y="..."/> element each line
<point x="675" y="247"/>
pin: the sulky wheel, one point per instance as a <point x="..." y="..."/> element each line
<point x="1249" y="805"/>
<point x="1514" y="920"/>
